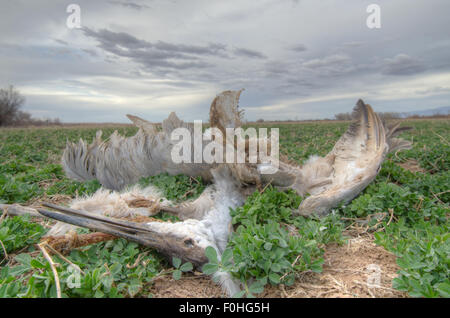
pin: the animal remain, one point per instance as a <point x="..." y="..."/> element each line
<point x="118" y="162"/>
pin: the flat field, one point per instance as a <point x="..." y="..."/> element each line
<point x="391" y="241"/>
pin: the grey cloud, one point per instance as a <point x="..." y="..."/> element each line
<point x="434" y="90"/>
<point x="116" y="41"/>
<point x="90" y="52"/>
<point x="211" y="49"/>
<point x="131" y="5"/>
<point x="161" y="57"/>
<point x="299" y="48"/>
<point x="154" y="55"/>
<point x="336" y="65"/>
<point x="327" y="61"/>
<point x="301" y="82"/>
<point x="402" y="64"/>
<point x="61" y="41"/>
<point x="342" y="55"/>
<point x="249" y="53"/>
<point x="109" y="39"/>
<point x="41" y="64"/>
<point x="277" y="67"/>
<point x="353" y="44"/>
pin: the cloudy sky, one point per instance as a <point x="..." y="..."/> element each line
<point x="296" y="59"/>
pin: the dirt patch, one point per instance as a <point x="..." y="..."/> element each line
<point x="412" y="165"/>
<point x="346" y="271"/>
<point x="192" y="285"/>
<point x="57" y="199"/>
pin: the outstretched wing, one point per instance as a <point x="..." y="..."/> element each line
<point x="352" y="164"/>
<point x="120" y="161"/>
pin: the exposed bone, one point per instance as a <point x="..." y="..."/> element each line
<point x="16" y="209"/>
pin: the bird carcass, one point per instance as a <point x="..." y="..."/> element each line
<point x="119" y="162"/>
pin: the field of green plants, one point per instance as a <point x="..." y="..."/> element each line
<point x="268" y="246"/>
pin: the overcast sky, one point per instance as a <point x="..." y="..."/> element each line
<point x="303" y="59"/>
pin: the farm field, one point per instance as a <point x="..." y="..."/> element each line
<point x="395" y="234"/>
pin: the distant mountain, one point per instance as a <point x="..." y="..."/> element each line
<point x="428" y="112"/>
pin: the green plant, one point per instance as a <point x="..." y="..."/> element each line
<point x="180" y="268"/>
<point x="177" y="187"/>
<point x="112" y="269"/>
<point x="18" y="232"/>
<point x="417" y="234"/>
<point x="271" y="246"/>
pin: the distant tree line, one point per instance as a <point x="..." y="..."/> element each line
<point x="348" y="117"/>
<point x="385" y="116"/>
<point x="11" y="101"/>
<point x="389" y="116"/>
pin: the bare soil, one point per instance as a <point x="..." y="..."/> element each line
<point x="412" y="165"/>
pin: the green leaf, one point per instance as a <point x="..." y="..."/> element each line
<point x="99" y="294"/>
<point x="444" y="289"/>
<point x="176" y="274"/>
<point x="209" y="269"/>
<point x="186" y="267"/>
<point x="227" y="255"/>
<point x="256" y="288"/>
<point x="268" y="246"/>
<point x="282" y="243"/>
<point x="274" y="278"/>
<point x="239" y="294"/>
<point x="316" y="266"/>
<point x="176" y="262"/>
<point x="276" y="267"/>
<point x="107" y="281"/>
<point x="134" y="287"/>
<point x="24" y="259"/>
<point x="211" y="254"/>
<point x="36" y="264"/>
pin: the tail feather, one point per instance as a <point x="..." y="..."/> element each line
<point x="396" y="144"/>
<point x="79" y="160"/>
